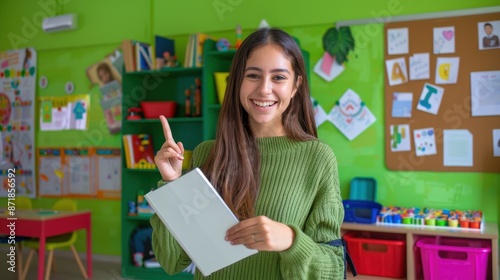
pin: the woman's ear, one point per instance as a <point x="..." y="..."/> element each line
<point x="297" y="84"/>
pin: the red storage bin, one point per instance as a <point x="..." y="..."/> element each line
<point x="154" y="109"/>
<point x="378" y="254"/>
<point x="454" y="258"/>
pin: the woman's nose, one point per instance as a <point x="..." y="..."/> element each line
<point x="266" y="86"/>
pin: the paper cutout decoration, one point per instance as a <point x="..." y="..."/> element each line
<point x="43" y="82"/>
<point x="68" y="112"/>
<point x="396" y="71"/>
<point x="69" y="87"/>
<point x="485" y="93"/>
<point x="425" y="142"/>
<point x="496" y="142"/>
<point x="320" y="115"/>
<point x="400" y="138"/>
<point x="419" y="66"/>
<point x="447" y="70"/>
<point x="444" y="40"/>
<point x="402" y="104"/>
<point x="46" y="106"/>
<point x="350" y="115"/>
<point x="430" y="99"/>
<point x="397" y="41"/>
<point x="457" y="147"/>
<point x="327" y="68"/>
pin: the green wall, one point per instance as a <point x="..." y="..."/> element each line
<point x="104" y="24"/>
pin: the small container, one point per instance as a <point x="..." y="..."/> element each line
<point x="474" y="224"/>
<point x="441" y="222"/>
<point x="430" y="222"/>
<point x="154" y="109"/>
<point x="407" y="220"/>
<point x="464" y="224"/>
<point x="453" y="223"/>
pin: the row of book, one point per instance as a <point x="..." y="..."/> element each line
<point x="141" y="56"/>
<point x="194" y="50"/>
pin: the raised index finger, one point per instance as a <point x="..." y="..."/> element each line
<point x="166" y="128"/>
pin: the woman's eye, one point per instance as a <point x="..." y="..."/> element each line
<point x="280" y="77"/>
<point x="252" y="76"/>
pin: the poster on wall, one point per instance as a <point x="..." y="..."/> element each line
<point x="17" y="93"/>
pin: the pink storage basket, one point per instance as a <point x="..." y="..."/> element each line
<point x="455" y="259"/>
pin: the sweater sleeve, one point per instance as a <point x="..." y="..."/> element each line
<point x="309" y="257"/>
<point x="172" y="258"/>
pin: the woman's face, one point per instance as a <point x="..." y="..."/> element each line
<point x="267" y="88"/>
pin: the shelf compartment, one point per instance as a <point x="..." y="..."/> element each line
<point x="174" y="72"/>
<point x="170" y="120"/>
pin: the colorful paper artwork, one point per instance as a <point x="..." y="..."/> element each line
<point x="430" y="99"/>
<point x="400" y="138"/>
<point x="485" y="93"/>
<point x="62" y="113"/>
<point x="496" y="142"/>
<point x="447" y="70"/>
<point x="402" y="104"/>
<point x="18" y="70"/>
<point x="350" y="115"/>
<point x="327" y="68"/>
<point x="396" y="71"/>
<point x="425" y="142"/>
<point x="444" y="40"/>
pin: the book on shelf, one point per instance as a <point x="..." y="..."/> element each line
<point x="162" y="46"/>
<point x="128" y="49"/>
<point x="198" y="218"/>
<point x="143" y="56"/>
<point x="194" y="50"/>
<point x="139" y="152"/>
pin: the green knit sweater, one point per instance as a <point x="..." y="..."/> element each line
<point x="300" y="188"/>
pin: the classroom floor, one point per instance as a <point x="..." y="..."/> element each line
<point x="66" y="268"/>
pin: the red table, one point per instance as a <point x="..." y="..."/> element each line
<point x="46" y="223"/>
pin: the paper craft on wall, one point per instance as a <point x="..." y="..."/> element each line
<point x="79" y="172"/>
<point x="320" y="115"/>
<point x="350" y="115"/>
<point x="430" y="99"/>
<point x="496" y="142"/>
<point x="50" y="172"/>
<point x="397" y="41"/>
<point x="402" y="104"/>
<point x="337" y="43"/>
<point x="17" y="92"/>
<point x="485" y="93"/>
<point x="327" y="68"/>
<point x="419" y="66"/>
<point x="457" y="147"/>
<point x="444" y="40"/>
<point x="400" y="138"/>
<point x="396" y="71"/>
<point x="447" y="70"/>
<point x="425" y="142"/>
<point x="62" y="113"/>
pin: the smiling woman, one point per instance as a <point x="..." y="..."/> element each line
<point x="268" y="166"/>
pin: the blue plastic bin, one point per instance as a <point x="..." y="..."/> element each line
<point x="361" y="211"/>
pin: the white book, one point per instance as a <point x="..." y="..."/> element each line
<point x="198" y="219"/>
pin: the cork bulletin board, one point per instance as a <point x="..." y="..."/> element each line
<point x="469" y="107"/>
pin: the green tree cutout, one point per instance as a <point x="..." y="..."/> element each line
<point x="338" y="43"/>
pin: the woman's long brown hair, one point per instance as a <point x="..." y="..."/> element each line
<point x="233" y="165"/>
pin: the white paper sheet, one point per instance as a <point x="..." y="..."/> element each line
<point x="397" y="41"/>
<point x="400" y="138"/>
<point x="328" y="68"/>
<point x="457" y="147"/>
<point x="444" y="39"/>
<point x="496" y="142"/>
<point x="350" y="115"/>
<point x="419" y="66"/>
<point x="320" y="115"/>
<point x="430" y="99"/>
<point x="425" y="141"/>
<point x="485" y="93"/>
<point x="396" y="71"/>
<point x="447" y="70"/>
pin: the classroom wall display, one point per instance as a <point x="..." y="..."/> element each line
<point x="93" y="172"/>
<point x="451" y="79"/>
<point x="18" y="71"/>
<point x="63" y="113"/>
